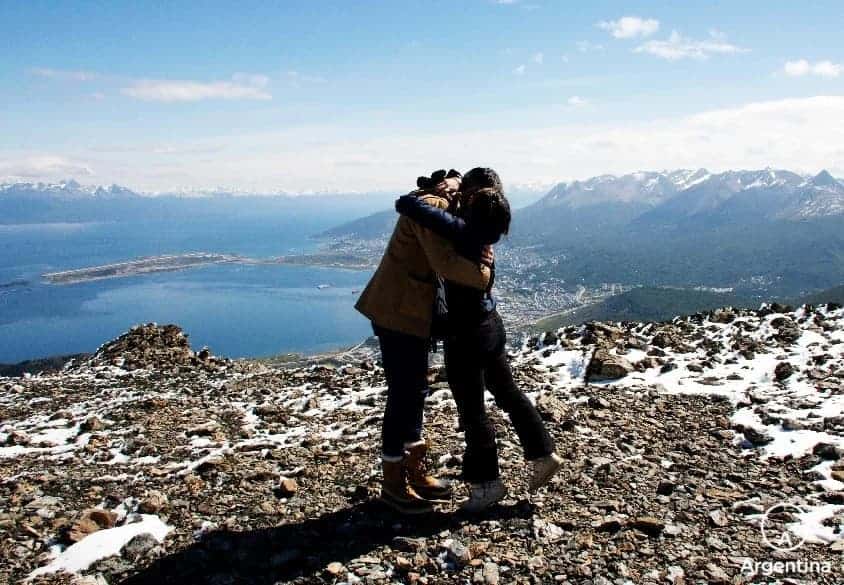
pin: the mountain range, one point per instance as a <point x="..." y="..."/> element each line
<point x="66" y="190"/>
<point x="666" y="198"/>
<point x="763" y="232"/>
<point x="70" y="201"/>
<point x="686" y="198"/>
<point x="766" y="232"/>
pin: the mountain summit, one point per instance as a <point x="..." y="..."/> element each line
<point x="152" y="463"/>
<point x="68" y="190"/>
<point x="824" y="179"/>
<point x="671" y="196"/>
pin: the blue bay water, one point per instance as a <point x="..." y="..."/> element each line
<point x="236" y="310"/>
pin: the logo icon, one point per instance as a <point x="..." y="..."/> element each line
<point x="774" y="532"/>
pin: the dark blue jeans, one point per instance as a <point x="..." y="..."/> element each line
<point x="405" y="361"/>
<point x="475" y="361"/>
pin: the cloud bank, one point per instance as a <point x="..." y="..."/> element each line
<point x="802" y="67"/>
<point x="799" y="134"/>
<point x="678" y="47"/>
<point x="43" y="168"/>
<point x="241" y="87"/>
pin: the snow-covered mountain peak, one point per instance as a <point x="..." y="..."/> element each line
<point x="67" y="189"/>
<point x="733" y="195"/>
<point x="640" y="187"/>
<point x="824" y="179"/>
<point x="685" y="178"/>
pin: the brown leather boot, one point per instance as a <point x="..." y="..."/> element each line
<point x="396" y="493"/>
<point x="427" y="486"/>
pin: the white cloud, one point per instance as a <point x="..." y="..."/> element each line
<point x="63" y="74"/>
<point x="242" y="87"/>
<point x="679" y="47"/>
<point x="587" y="47"/>
<point x="576" y="101"/>
<point x="802" y="67"/>
<point x="520" y="70"/>
<point x="797" y="68"/>
<point x="538" y="58"/>
<point x="827" y="69"/>
<point x="629" y="27"/>
<point x="504" y="2"/>
<point x="44" y="167"/>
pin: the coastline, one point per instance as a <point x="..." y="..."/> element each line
<point x="176" y="262"/>
<point x="360" y="351"/>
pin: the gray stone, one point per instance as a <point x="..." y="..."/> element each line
<point x="139" y="547"/>
<point x="490" y="574"/>
<point x="606" y="366"/>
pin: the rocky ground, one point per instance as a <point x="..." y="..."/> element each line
<point x="151" y="463"/>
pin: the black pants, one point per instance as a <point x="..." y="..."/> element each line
<point x="476" y="359"/>
<point x="405" y="361"/>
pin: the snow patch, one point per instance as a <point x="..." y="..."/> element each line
<point x="101" y="544"/>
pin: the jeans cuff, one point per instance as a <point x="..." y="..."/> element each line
<point x="412" y="444"/>
<point x="391" y="458"/>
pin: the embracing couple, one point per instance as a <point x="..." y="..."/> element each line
<point x="440" y="255"/>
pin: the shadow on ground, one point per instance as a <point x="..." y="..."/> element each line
<point x="301" y="550"/>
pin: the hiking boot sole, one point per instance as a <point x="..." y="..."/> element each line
<point x="407" y="508"/>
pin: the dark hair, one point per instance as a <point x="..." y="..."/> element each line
<point x="435" y="178"/>
<point x="488" y="213"/>
<point x="481" y="178"/>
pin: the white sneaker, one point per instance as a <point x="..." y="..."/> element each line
<point x="542" y="470"/>
<point x="484" y="495"/>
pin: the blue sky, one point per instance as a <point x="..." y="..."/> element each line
<point x="366" y="95"/>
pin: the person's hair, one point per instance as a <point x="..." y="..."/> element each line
<point x="489" y="214"/>
<point x="481" y="178"/>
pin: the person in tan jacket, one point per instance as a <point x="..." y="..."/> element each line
<point x="399" y="300"/>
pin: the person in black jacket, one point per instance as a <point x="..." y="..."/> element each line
<point x="475" y="343"/>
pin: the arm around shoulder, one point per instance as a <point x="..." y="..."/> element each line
<point x="444" y="259"/>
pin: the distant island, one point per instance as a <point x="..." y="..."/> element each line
<point x="173" y="262"/>
<point x="139" y="266"/>
<point x="330" y="260"/>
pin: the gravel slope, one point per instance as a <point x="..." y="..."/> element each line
<point x="152" y="463"/>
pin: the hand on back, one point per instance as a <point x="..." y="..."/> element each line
<point x="488" y="255"/>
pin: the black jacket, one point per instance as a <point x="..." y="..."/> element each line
<point x="467" y="307"/>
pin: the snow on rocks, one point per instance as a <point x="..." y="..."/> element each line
<point x="782" y="369"/>
<point x="277" y="467"/>
<point x="102" y="544"/>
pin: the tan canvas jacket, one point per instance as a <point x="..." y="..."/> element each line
<point x="400" y="295"/>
